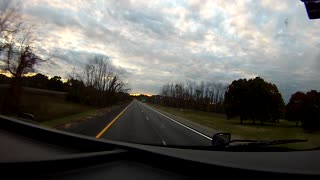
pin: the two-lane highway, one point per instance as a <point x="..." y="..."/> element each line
<point x="139" y="123"/>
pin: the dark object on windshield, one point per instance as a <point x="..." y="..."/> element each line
<point x="27" y="116"/>
<point x="313" y="8"/>
<point x="221" y="139"/>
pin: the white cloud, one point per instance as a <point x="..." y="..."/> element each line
<point x="161" y="41"/>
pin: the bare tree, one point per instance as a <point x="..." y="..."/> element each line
<point x="19" y="58"/>
<point x="17" y="54"/>
<point x="102" y="76"/>
<point x="10" y="21"/>
<point x="207" y="96"/>
<point x="9" y="15"/>
<point x="103" y="80"/>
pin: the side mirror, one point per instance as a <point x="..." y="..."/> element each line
<point x="313" y="8"/>
<point x="26" y="116"/>
<point x="219" y="139"/>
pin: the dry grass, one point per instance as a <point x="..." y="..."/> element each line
<point x="46" y="105"/>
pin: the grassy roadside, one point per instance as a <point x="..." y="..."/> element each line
<point x="50" y="107"/>
<point x="71" y="118"/>
<point x="269" y="131"/>
<point x="47" y="107"/>
<point x="66" y="121"/>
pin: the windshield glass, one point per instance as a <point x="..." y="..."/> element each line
<point x="169" y="73"/>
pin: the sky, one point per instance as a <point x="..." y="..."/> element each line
<point x="159" y="42"/>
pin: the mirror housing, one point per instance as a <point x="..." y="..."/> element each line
<point x="221" y="139"/>
<point x="313" y="8"/>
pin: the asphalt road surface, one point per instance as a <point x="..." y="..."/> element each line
<point x="139" y="123"/>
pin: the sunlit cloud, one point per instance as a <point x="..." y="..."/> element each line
<point x="166" y="41"/>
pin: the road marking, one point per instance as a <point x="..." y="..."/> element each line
<point x="154" y="129"/>
<point x="114" y="120"/>
<point x="195" y="131"/>
<point x="164" y="143"/>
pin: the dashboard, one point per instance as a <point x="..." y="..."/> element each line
<point x="29" y="150"/>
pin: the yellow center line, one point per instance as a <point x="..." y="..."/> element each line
<point x="114" y="120"/>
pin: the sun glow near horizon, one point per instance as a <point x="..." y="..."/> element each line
<point x="138" y="94"/>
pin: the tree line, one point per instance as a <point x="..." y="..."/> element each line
<point x="204" y="96"/>
<point x="39" y="81"/>
<point x="253" y="100"/>
<point x="99" y="83"/>
<point x="258" y="100"/>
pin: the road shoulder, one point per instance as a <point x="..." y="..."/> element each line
<point x="92" y="124"/>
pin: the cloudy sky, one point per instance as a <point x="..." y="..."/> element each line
<point x="156" y="42"/>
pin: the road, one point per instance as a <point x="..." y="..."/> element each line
<point x="139" y="123"/>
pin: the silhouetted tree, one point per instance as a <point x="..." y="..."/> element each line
<point x="312" y="110"/>
<point x="304" y="108"/>
<point x="18" y="61"/>
<point x="253" y="99"/>
<point x="4" y="79"/>
<point x="10" y="21"/>
<point x="37" y="81"/>
<point x="55" y="84"/>
<point x="16" y="53"/>
<point x="102" y="84"/>
<point x="295" y="109"/>
<point x="76" y="91"/>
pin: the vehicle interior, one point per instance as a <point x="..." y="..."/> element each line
<point x="73" y="107"/>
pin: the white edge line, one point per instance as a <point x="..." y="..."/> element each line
<point x="197" y="132"/>
<point x="147" y="118"/>
<point x="164" y="143"/>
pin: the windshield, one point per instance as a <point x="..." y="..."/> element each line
<point x="168" y="73"/>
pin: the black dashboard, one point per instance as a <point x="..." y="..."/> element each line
<point x="32" y="151"/>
